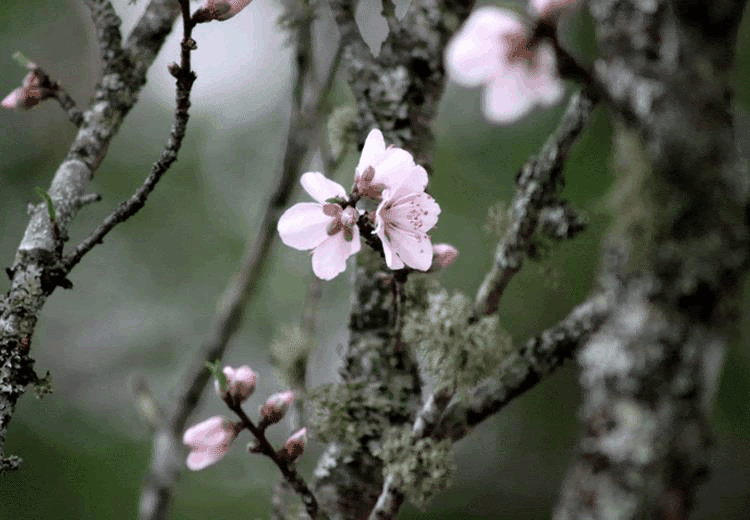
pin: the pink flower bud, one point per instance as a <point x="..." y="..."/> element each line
<point x="444" y="254"/>
<point x="219" y="10"/>
<point x="240" y="383"/>
<point x="295" y="445"/>
<point x="275" y="408"/>
<point x="26" y="96"/>
<point x="209" y="441"/>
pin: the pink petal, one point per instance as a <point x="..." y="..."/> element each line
<point x="475" y="53"/>
<point x="320" y="188"/>
<point x="198" y="460"/>
<point x="415" y="182"/>
<point x="374" y="147"/>
<point x="413" y="249"/>
<point x="508" y="98"/>
<point x="394" y="167"/>
<point x="416" y="207"/>
<point x="13" y="100"/>
<point x="304" y="225"/>
<point x="201" y="434"/>
<point x="329" y="258"/>
<point x="546" y="7"/>
<point x="547" y="86"/>
<point x="391" y="260"/>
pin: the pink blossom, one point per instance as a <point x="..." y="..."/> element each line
<point x="240" y="383"/>
<point x="325" y="227"/>
<point x="209" y="441"/>
<point x="444" y="254"/>
<point x="275" y="407"/>
<point x="295" y="445"/>
<point x="491" y="49"/>
<point x="545" y="8"/>
<point x="219" y="9"/>
<point x="382" y="168"/>
<point x="401" y="221"/>
<point x="29" y="94"/>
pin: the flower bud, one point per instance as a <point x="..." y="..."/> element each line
<point x="29" y="94"/>
<point x="275" y="408"/>
<point x="443" y="255"/>
<point x="219" y="10"/>
<point x="240" y="383"/>
<point x="295" y="445"/>
<point x="209" y="441"/>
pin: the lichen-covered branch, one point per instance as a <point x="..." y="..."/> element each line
<point x="649" y="373"/>
<point x="524" y="369"/>
<point x="536" y="202"/>
<point x="37" y="269"/>
<point x="166" y="463"/>
<point x="398" y="92"/>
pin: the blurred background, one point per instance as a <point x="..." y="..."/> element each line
<point x="142" y="301"/>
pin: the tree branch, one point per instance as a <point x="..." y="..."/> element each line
<point x="37" y="269"/>
<point x="539" y="183"/>
<point x="166" y="463"/>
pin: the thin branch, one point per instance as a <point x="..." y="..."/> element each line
<point x="185" y="79"/>
<point x="389" y="13"/>
<point x="38" y="268"/>
<point x="351" y="37"/>
<point x="539" y="181"/>
<point x="52" y="88"/>
<point x="285" y="467"/>
<point x="165" y="463"/>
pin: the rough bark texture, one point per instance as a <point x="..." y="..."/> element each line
<point x="649" y="373"/>
<point x="38" y="267"/>
<point x="398" y="91"/>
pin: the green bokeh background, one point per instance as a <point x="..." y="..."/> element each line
<point x="142" y="301"/>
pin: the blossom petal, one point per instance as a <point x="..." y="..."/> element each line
<point x="200" y="459"/>
<point x="391" y="260"/>
<point x="413" y="249"/>
<point x="474" y="54"/>
<point x="415" y="182"/>
<point x="321" y="188"/>
<point x="547" y="87"/>
<point x="304" y="226"/>
<point x="393" y="167"/>
<point x="196" y="436"/>
<point x="329" y="258"/>
<point x="417" y="208"/>
<point x="507" y="98"/>
<point x="373" y="148"/>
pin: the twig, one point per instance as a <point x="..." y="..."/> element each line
<point x="165" y="464"/>
<point x="37" y="269"/>
<point x="285" y="467"/>
<point x="389" y="13"/>
<point x="538" y="184"/>
<point x="185" y="79"/>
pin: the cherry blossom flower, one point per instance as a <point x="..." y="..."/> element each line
<point x="295" y="444"/>
<point x="240" y="383"/>
<point x="29" y="94"/>
<point x="219" y="10"/>
<point x="209" y="441"/>
<point x="325" y="227"/>
<point x="275" y="407"/>
<point x="491" y="50"/>
<point x="382" y="168"/>
<point x="401" y="222"/>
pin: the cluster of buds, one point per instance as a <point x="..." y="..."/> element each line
<point x="211" y="439"/>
